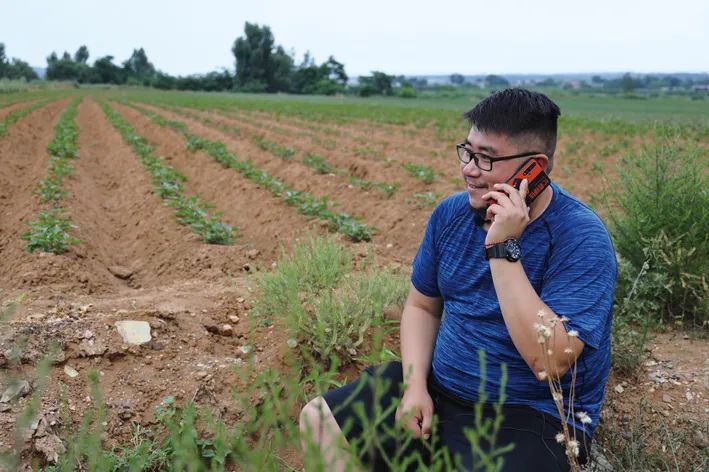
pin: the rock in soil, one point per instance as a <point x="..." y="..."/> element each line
<point x="120" y="272"/>
<point x="134" y="332"/>
<point x="15" y="391"/>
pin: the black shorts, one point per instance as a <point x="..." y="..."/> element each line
<point x="354" y="407"/>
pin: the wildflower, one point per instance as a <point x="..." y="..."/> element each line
<point x="568" y="350"/>
<point x="553" y="321"/>
<point x="564" y="319"/>
<point x="540" y="313"/>
<point x="573" y="333"/>
<point x="560" y="438"/>
<point x="583" y="417"/>
<point x="573" y="446"/>
<point x="542" y="375"/>
<point x="550" y="352"/>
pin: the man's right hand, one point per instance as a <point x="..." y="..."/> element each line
<point x="416" y="408"/>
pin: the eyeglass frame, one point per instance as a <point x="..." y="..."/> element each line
<point x="474" y="156"/>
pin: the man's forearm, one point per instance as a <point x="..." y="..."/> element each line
<point x="520" y="304"/>
<point x="418" y="335"/>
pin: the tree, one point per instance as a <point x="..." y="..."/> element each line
<point x="260" y="65"/>
<point x="378" y="83"/>
<point x="105" y="71"/>
<point x="62" y="69"/>
<point x="139" y="67"/>
<point x="457" y="79"/>
<point x="81" y="56"/>
<point x="254" y="62"/>
<point x="20" y="69"/>
<point x="627" y="83"/>
<point x="3" y="61"/>
<point x="496" y="81"/>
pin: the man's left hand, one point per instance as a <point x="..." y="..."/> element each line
<point x="510" y="215"/>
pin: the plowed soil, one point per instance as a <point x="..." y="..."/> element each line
<point x="135" y="262"/>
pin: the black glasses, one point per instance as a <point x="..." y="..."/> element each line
<point x="483" y="161"/>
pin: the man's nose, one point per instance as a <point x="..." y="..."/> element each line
<point x="471" y="169"/>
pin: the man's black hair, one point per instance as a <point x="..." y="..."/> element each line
<point x="522" y="115"/>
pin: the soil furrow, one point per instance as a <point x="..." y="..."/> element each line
<point x="7" y="109"/>
<point x="400" y="225"/>
<point x="306" y="142"/>
<point x="370" y="145"/>
<point x="263" y="222"/>
<point x="23" y="163"/>
<point x="122" y="223"/>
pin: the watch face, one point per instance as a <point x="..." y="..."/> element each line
<point x="514" y="252"/>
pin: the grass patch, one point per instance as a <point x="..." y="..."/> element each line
<point x="326" y="306"/>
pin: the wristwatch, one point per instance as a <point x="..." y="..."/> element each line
<point x="509" y="249"/>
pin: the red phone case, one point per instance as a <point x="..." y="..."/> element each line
<point x="536" y="177"/>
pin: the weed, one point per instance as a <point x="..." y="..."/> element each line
<point x="420" y="171"/>
<point x="424" y="199"/>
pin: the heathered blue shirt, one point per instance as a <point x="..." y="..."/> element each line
<point x="569" y="259"/>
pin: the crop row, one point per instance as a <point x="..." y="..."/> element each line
<point x="62" y="150"/>
<point x="191" y="211"/>
<point x="50" y="233"/>
<point x="306" y="203"/>
<point x="16" y="115"/>
<point x="312" y="160"/>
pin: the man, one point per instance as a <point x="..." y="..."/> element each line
<point x="497" y="269"/>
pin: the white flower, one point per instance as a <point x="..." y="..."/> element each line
<point x="568" y="350"/>
<point x="540" y="313"/>
<point x="560" y="438"/>
<point x="564" y="319"/>
<point x="542" y="375"/>
<point x="550" y="352"/>
<point x="573" y="333"/>
<point x="573" y="446"/>
<point x="557" y="396"/>
<point x="583" y="417"/>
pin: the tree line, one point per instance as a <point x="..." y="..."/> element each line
<point x="261" y="66"/>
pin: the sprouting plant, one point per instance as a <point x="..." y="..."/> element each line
<point x="420" y="171"/>
<point x="49" y="233"/>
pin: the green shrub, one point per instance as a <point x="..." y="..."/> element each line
<point x="661" y="216"/>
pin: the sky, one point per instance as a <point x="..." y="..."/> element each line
<point x="435" y="37"/>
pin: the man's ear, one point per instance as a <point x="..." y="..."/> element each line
<point x="545" y="162"/>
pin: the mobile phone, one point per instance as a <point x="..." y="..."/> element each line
<point x="536" y="177"/>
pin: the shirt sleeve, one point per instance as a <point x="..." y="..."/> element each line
<point x="424" y="275"/>
<point x="580" y="281"/>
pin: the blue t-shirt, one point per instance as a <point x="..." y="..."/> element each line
<point x="569" y="259"/>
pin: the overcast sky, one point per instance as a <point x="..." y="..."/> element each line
<point x="397" y="37"/>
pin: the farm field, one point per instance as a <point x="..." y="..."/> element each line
<point x="180" y="243"/>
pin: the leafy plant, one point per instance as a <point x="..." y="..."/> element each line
<point x="50" y="233"/>
<point x="420" y="171"/>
